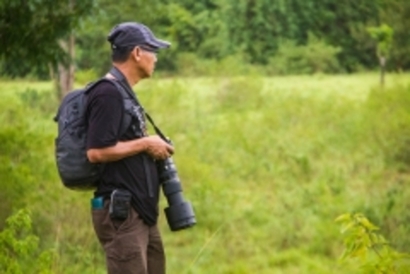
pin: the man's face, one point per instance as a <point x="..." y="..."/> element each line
<point x="146" y="59"/>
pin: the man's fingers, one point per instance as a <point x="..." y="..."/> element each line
<point x="159" y="149"/>
<point x="170" y="149"/>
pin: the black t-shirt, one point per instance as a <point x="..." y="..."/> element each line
<point x="105" y="110"/>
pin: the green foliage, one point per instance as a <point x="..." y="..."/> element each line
<point x="20" y="247"/>
<point x="29" y="179"/>
<point x="387" y="112"/>
<point x="30" y="30"/>
<point x="266" y="162"/>
<point x="267" y="155"/>
<point x="15" y="157"/>
<point x="183" y="28"/>
<point x="214" y="30"/>
<point x="314" y="57"/>
<point x="391" y="105"/>
<point x="43" y="101"/>
<point x="233" y="65"/>
<point x="396" y="14"/>
<point x="91" y="34"/>
<point x="251" y="32"/>
<point x="383" y="35"/>
<point x="24" y="143"/>
<point x="84" y="77"/>
<point x="373" y="252"/>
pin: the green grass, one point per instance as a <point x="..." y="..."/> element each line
<point x="267" y="163"/>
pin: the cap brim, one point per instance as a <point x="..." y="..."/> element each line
<point x="159" y="44"/>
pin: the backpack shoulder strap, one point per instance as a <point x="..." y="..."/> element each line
<point x="128" y="100"/>
<point x="91" y="85"/>
<point x="127" y="91"/>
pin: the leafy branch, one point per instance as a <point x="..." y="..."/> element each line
<point x="370" y="250"/>
<point x="20" y="247"/>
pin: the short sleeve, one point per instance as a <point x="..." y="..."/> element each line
<point x="104" y="115"/>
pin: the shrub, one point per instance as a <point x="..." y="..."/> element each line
<point x="20" y="247"/>
<point x="190" y="64"/>
<point x="368" y="249"/>
<point x="24" y="149"/>
<point x="314" y="57"/>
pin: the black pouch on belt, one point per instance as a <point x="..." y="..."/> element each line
<point x="120" y="204"/>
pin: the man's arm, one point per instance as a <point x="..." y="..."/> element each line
<point x="105" y="106"/>
<point x="153" y="145"/>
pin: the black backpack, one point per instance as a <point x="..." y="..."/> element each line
<point x="75" y="171"/>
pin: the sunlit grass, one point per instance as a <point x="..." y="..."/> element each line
<point x="268" y="163"/>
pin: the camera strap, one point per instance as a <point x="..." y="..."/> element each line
<point x="127" y="88"/>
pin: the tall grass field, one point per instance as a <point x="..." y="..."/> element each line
<point x="268" y="164"/>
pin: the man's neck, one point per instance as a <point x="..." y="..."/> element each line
<point x="129" y="74"/>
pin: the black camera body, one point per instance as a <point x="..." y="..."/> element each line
<point x="179" y="213"/>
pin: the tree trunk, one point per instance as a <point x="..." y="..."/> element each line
<point x="65" y="72"/>
<point x="382" y="60"/>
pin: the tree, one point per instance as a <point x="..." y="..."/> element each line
<point x="396" y="14"/>
<point x="383" y="35"/>
<point x="31" y="32"/>
<point x="92" y="48"/>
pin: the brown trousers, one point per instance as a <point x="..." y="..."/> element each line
<point x="131" y="247"/>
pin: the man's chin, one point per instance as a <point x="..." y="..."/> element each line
<point x="147" y="74"/>
<point x="150" y="74"/>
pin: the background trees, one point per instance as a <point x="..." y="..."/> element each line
<point x="37" y="38"/>
<point x="249" y="31"/>
<point x="323" y="146"/>
<point x="30" y="32"/>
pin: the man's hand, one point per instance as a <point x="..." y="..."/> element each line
<point x="153" y="145"/>
<point x="158" y="148"/>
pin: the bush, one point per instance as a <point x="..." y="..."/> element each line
<point x="315" y="57"/>
<point x="20" y="153"/>
<point x="369" y="250"/>
<point x="189" y="64"/>
<point x="20" y="247"/>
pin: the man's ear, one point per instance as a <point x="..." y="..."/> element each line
<point x="137" y="53"/>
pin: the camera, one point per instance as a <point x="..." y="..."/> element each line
<point x="179" y="213"/>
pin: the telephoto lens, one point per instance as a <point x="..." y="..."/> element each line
<point x="179" y="213"/>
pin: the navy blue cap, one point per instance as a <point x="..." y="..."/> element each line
<point x="134" y="34"/>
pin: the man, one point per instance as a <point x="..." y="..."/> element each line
<point x="132" y="245"/>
